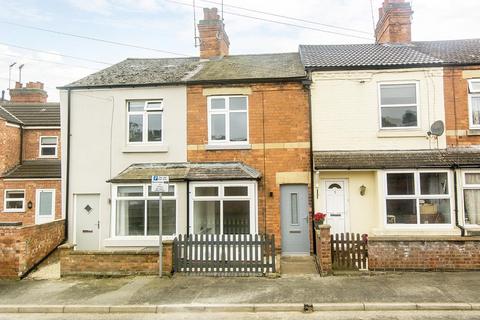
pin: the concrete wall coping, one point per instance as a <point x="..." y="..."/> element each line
<point x="430" y="238"/>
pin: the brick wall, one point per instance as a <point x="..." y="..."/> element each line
<point x="31" y="142"/>
<point x="9" y="146"/>
<point x="73" y="262"/>
<point x="456" y="108"/>
<point x="23" y="247"/>
<point x="435" y="253"/>
<point x="324" y="249"/>
<point x="30" y="187"/>
<point x="278" y="115"/>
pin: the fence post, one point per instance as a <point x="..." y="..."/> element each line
<point x="324" y="249"/>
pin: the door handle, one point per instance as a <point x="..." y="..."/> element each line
<point x="98" y="224"/>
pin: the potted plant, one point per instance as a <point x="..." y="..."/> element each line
<point x="318" y="219"/>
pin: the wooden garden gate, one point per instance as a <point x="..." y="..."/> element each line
<point x="224" y="255"/>
<point x="349" y="251"/>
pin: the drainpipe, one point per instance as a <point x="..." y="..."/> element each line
<point x="307" y="85"/>
<point x="455" y="185"/>
<point x="22" y="132"/>
<point x="67" y="178"/>
<point x="188" y="207"/>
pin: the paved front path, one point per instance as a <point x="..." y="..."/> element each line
<point x="400" y="287"/>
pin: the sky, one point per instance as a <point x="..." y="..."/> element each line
<point x="167" y="25"/>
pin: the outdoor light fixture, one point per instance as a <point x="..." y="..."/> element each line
<point x="30" y="205"/>
<point x="362" y="190"/>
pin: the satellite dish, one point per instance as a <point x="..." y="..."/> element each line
<point x="437" y="128"/>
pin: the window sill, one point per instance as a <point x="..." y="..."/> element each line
<point x="14" y="211"/>
<point x="135" y="241"/>
<point x="473" y="132"/>
<point x="145" y="148"/>
<point x="401" y="134"/>
<point x="228" y="147"/>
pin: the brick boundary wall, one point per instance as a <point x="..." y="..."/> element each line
<point x="22" y="247"/>
<point x="114" y="263"/>
<point x="424" y="254"/>
<point x="324" y="250"/>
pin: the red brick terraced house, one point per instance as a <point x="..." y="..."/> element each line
<point x="31" y="220"/>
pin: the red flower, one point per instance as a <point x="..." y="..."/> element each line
<point x="318" y="216"/>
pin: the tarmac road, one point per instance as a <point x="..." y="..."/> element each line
<point x="344" y="315"/>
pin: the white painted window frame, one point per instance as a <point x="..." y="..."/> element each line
<point x="252" y="197"/>
<point x="472" y="94"/>
<point x="41" y="146"/>
<point x="227" y="113"/>
<point x="144" y="197"/>
<point x="380" y="106"/>
<point x="44" y="219"/>
<point x="466" y="186"/>
<point x="145" y="114"/>
<point x="417" y="196"/>
<point x="5" y="209"/>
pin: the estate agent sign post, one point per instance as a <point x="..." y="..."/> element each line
<point x="160" y="185"/>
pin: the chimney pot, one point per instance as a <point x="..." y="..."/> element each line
<point x="18" y="85"/>
<point x="33" y="92"/>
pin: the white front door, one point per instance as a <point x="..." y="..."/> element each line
<point x="335" y="204"/>
<point x="44" y="206"/>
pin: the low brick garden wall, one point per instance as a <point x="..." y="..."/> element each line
<point x="22" y="247"/>
<point x="434" y="253"/>
<point x="114" y="263"/>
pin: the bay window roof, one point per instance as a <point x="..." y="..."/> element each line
<point x="185" y="171"/>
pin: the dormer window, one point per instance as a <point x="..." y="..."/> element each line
<point x="474" y="103"/>
<point x="48" y="147"/>
<point x="145" y="121"/>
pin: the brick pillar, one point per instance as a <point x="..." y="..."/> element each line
<point x="324" y="249"/>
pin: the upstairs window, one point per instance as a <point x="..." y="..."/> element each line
<point x="228" y="120"/>
<point x="48" y="147"/>
<point x="471" y="198"/>
<point x="145" y="121"/>
<point x="399" y="105"/>
<point x="474" y="103"/>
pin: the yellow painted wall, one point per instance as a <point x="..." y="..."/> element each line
<point x="362" y="211"/>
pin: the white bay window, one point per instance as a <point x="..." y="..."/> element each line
<point x="471" y="198"/>
<point x="223" y="208"/>
<point x="136" y="211"/>
<point x="418" y="198"/>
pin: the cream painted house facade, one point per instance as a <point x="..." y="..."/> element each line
<point x="348" y="115"/>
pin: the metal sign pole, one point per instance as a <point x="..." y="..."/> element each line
<point x="160" y="244"/>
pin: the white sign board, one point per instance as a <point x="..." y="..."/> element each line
<point x="160" y="183"/>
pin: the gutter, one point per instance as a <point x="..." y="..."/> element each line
<point x="67" y="178"/>
<point x="307" y="84"/>
<point x="455" y="192"/>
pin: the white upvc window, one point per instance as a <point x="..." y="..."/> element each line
<point x="474" y="103"/>
<point x="223" y="208"/>
<point x="471" y="197"/>
<point x="418" y="198"/>
<point x="48" y="147"/>
<point x="135" y="211"/>
<point x="399" y="105"/>
<point x="228" y="120"/>
<point x="145" y="121"/>
<point x="45" y="206"/>
<point x="14" y="201"/>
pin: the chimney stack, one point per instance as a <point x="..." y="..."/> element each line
<point x="214" y="41"/>
<point x="32" y="93"/>
<point x="394" y="22"/>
